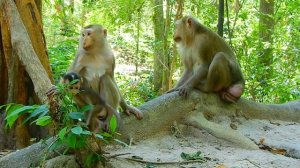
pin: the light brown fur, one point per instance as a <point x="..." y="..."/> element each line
<point x="210" y="64"/>
<point x="95" y="62"/>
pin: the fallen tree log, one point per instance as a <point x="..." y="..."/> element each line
<point x="160" y="113"/>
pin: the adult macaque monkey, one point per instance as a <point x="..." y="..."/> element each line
<point x="210" y="64"/>
<point x="95" y="62"/>
<point x="98" y="118"/>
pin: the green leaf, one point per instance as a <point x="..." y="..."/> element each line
<point x="40" y="111"/>
<point x="86" y="132"/>
<point x="62" y="133"/>
<point x="43" y="121"/>
<point x="20" y="111"/>
<point x="71" y="140"/>
<point x="99" y="136"/>
<point x="121" y="142"/>
<point x="77" y="130"/>
<point x="86" y="108"/>
<point x="10" y="108"/>
<point x="106" y="135"/>
<point x="113" y="124"/>
<point x="76" y="115"/>
<point x="193" y="156"/>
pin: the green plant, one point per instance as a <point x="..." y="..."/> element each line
<point x="72" y="132"/>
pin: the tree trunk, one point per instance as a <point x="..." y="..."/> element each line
<point x="26" y="59"/>
<point x="160" y="114"/>
<point x="158" y="43"/>
<point x="3" y="63"/>
<point x="221" y="17"/>
<point x="174" y="62"/>
<point x="166" y="56"/>
<point x="266" y="28"/>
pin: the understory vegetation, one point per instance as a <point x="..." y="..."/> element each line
<point x="272" y="77"/>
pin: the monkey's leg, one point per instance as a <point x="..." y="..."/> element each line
<point x="219" y="79"/>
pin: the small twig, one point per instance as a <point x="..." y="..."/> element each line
<point x="116" y="155"/>
<point x="170" y="162"/>
<point x="255" y="164"/>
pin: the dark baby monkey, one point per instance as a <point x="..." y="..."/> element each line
<point x="98" y="118"/>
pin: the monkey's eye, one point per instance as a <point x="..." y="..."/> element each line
<point x="82" y="34"/>
<point x="102" y="118"/>
<point x="89" y="33"/>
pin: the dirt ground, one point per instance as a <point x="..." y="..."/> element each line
<point x="218" y="153"/>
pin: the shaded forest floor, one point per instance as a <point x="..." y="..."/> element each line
<point x="167" y="147"/>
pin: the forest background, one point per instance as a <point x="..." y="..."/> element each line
<point x="263" y="34"/>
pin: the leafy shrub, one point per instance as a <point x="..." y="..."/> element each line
<point x="72" y="132"/>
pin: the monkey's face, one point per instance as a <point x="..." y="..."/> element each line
<point x="178" y="31"/>
<point x="74" y="88"/>
<point x="87" y="39"/>
<point x="183" y="30"/>
<point x="93" y="37"/>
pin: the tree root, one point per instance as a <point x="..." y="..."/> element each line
<point x="198" y="120"/>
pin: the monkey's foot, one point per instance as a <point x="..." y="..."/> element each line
<point x="228" y="98"/>
<point x="185" y="91"/>
<point x="132" y="110"/>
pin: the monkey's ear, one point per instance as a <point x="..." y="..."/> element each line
<point x="105" y="32"/>
<point x="189" y="22"/>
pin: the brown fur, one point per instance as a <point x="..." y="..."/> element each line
<point x="210" y="64"/>
<point x="99" y="116"/>
<point x="95" y="62"/>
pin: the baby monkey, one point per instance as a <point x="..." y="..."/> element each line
<point x="98" y="118"/>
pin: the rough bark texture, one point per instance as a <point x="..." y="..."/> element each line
<point x="160" y="113"/>
<point x="220" y="17"/>
<point x="158" y="20"/>
<point x="21" y="45"/>
<point x="33" y="23"/>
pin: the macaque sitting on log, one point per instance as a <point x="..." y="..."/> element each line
<point x="98" y="118"/>
<point x="210" y="64"/>
<point x="95" y="63"/>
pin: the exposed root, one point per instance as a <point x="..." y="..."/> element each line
<point x="198" y="120"/>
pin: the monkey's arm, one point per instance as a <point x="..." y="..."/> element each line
<point x="194" y="80"/>
<point x="125" y="107"/>
<point x="186" y="75"/>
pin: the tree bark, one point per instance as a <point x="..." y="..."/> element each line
<point x="3" y="67"/>
<point x="266" y="28"/>
<point x="158" y="43"/>
<point x="221" y="17"/>
<point x="21" y="45"/>
<point x="160" y="113"/>
<point x="166" y="55"/>
<point x="174" y="60"/>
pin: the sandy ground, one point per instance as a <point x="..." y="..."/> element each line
<point x="219" y="153"/>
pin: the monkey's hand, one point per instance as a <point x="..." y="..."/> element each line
<point x="52" y="91"/>
<point x="185" y="90"/>
<point x="133" y="110"/>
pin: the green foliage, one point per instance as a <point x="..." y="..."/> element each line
<point x="138" y="90"/>
<point x="61" y="56"/>
<point x="193" y="156"/>
<point x="276" y="83"/>
<point x="72" y="133"/>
